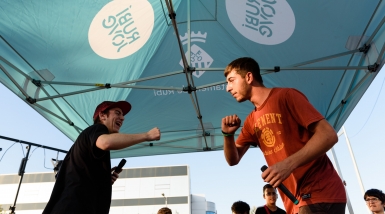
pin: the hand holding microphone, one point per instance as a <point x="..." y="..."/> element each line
<point x="116" y="170"/>
<point x="283" y="189"/>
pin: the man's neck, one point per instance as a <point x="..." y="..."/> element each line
<point x="272" y="207"/>
<point x="259" y="95"/>
<point x="379" y="212"/>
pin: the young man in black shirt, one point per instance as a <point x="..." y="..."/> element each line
<point x="84" y="180"/>
<point x="270" y="195"/>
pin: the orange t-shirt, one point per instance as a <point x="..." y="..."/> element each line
<point x="279" y="128"/>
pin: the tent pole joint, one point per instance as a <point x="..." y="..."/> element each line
<point x="31" y="100"/>
<point x="343" y="102"/>
<point x="206" y="134"/>
<point x="107" y="85"/>
<point x="364" y="49"/>
<point x="277" y="69"/>
<point x="172" y="15"/>
<point x="374" y="67"/>
<point x="71" y="123"/>
<point x="189" y="89"/>
<point x="36" y="82"/>
<point x="206" y="149"/>
<point x="189" y="69"/>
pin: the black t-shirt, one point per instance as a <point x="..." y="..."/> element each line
<point x="83" y="183"/>
<point x="262" y="210"/>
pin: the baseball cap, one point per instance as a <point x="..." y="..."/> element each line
<point x="123" y="105"/>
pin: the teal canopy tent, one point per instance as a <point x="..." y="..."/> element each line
<point x="167" y="59"/>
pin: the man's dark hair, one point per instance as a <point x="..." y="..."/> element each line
<point x="375" y="193"/>
<point x="97" y="120"/>
<point x="240" y="207"/>
<point x="267" y="186"/>
<point x="244" y="65"/>
<point x="164" y="210"/>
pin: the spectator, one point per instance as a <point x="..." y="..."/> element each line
<point x="240" y="207"/>
<point x="375" y="200"/>
<point x="270" y="195"/>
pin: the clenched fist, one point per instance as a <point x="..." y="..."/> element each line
<point x="153" y="134"/>
<point x="230" y="124"/>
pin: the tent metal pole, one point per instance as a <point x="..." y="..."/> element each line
<point x="69" y="94"/>
<point x="379" y="59"/>
<point x="324" y="68"/>
<point x="21" y="174"/>
<point x="139" y="146"/>
<point x="325" y="58"/>
<point x="334" y="156"/>
<point x="189" y="32"/>
<point x="378" y="27"/>
<point x="354" y="161"/>
<point x="24" y="163"/>
<point x="150" y="87"/>
<point x="349" y="94"/>
<point x="57" y="116"/>
<point x="173" y="20"/>
<point x="289" y="68"/>
<point x="152" y="77"/>
<point x="30" y="79"/>
<point x="14" y="67"/>
<point x="13" y="81"/>
<point x="32" y="144"/>
<point x="211" y="84"/>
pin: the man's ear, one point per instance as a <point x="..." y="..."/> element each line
<point x="249" y="77"/>
<point x="102" y="116"/>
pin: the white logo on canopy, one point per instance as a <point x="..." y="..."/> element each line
<point x="268" y="22"/>
<point x="121" y="28"/>
<point x="198" y="57"/>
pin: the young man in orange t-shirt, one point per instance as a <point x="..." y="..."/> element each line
<point x="293" y="136"/>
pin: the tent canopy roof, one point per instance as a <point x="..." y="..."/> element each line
<point x="65" y="57"/>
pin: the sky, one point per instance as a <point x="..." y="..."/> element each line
<point x="210" y="174"/>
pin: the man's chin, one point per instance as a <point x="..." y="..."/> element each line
<point x="241" y="100"/>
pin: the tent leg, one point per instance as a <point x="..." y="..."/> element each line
<point x="350" y="208"/>
<point x="21" y="174"/>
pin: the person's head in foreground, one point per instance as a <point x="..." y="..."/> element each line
<point x="242" y="75"/>
<point x="270" y="195"/>
<point x="111" y="114"/>
<point x="240" y="207"/>
<point x="164" y="210"/>
<point x="375" y="200"/>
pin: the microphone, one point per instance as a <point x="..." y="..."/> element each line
<point x="121" y="164"/>
<point x="283" y="189"/>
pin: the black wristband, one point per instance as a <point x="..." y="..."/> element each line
<point x="227" y="134"/>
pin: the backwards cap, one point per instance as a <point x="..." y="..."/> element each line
<point x="123" y="105"/>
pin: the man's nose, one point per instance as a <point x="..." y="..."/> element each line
<point x="228" y="88"/>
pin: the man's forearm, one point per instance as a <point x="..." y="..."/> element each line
<point x="322" y="140"/>
<point x="118" y="141"/>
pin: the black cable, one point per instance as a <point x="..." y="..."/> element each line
<point x="22" y="149"/>
<point x="44" y="161"/>
<point x="33" y="151"/>
<point x="375" y="103"/>
<point x="6" y="152"/>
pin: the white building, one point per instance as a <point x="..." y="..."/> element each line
<point x="137" y="191"/>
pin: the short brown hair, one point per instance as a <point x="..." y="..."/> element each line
<point x="267" y="186"/>
<point x="164" y="210"/>
<point x="244" y="65"/>
<point x="240" y="207"/>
